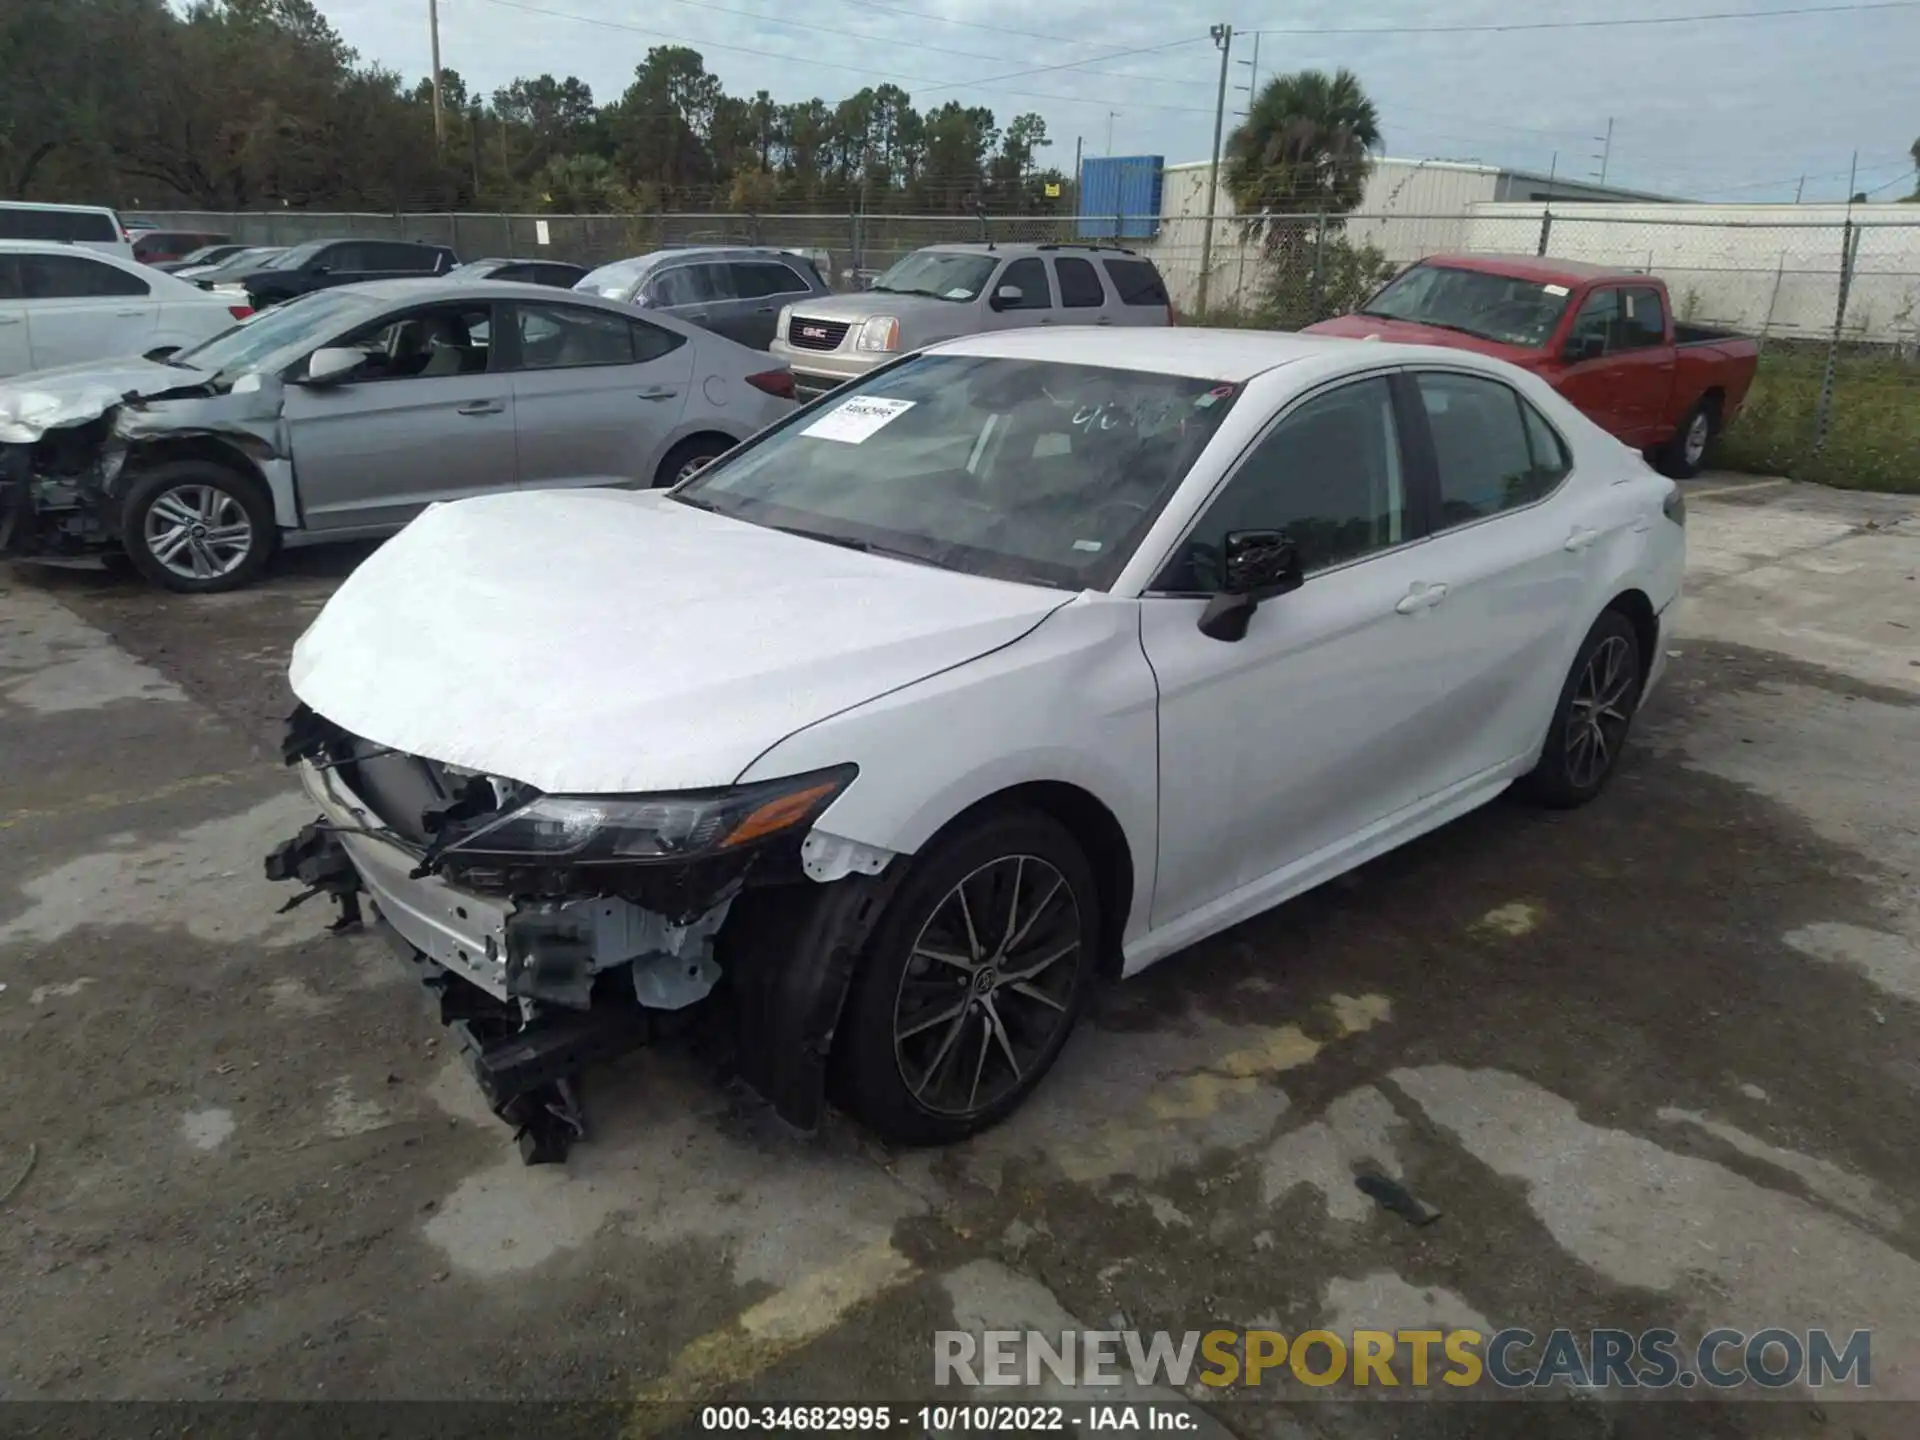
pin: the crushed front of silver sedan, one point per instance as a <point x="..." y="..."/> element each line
<point x="69" y="444"/>
<point x="554" y="933"/>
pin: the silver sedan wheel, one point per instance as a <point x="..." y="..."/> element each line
<point x="989" y="987"/>
<point x="1699" y="432"/>
<point x="1601" y="710"/>
<point x="692" y="467"/>
<point x="199" y="532"/>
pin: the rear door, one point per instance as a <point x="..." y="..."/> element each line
<point x="596" y="394"/>
<point x="761" y="288"/>
<point x="81" y="308"/>
<point x="1083" y="299"/>
<point x="16" y="352"/>
<point x="692" y="291"/>
<point x="429" y="417"/>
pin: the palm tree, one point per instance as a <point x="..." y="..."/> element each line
<point x="1305" y="145"/>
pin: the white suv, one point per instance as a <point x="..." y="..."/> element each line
<point x="60" y="305"/>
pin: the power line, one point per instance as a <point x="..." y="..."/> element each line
<point x="1504" y="26"/>
<point x="927" y="83"/>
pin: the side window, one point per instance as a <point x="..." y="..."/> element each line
<point x="1595" y="322"/>
<point x="515" y="273"/>
<point x="341" y="258"/>
<point x="1079" y="283"/>
<point x="1485" y="447"/>
<point x="430" y="343"/>
<point x="756" y="279"/>
<point x="650" y="342"/>
<point x="1329" y="477"/>
<point x="1030" y="275"/>
<point x="386" y="256"/>
<point x="567" y="337"/>
<point x="1643" y="323"/>
<point x="1136" y="282"/>
<point x="69" y="277"/>
<point x="9" y="278"/>
<point x="678" y="285"/>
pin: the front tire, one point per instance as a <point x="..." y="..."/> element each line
<point x="971" y="982"/>
<point x="197" y="528"/>
<point x="688" y="458"/>
<point x="1594" y="713"/>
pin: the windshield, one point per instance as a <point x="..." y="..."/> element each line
<point x="205" y="254"/>
<point x="615" y="281"/>
<point x="1494" y="307"/>
<point x="1018" y="469"/>
<point x="302" y="322"/>
<point x="296" y="257"/>
<point x="245" y="260"/>
<point x="943" y="274"/>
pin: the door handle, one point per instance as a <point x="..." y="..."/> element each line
<point x="764" y="310"/>
<point x="128" y="314"/>
<point x="480" y="407"/>
<point x="1421" y="597"/>
<point x="1103" y="320"/>
<point x="9" y="319"/>
<point x="1581" y="538"/>
<point x="700" y="315"/>
<point x="658" y="393"/>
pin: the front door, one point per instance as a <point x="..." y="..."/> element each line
<point x="1646" y="364"/>
<point x="597" y="395"/>
<point x="1034" y="307"/>
<point x="1591" y="379"/>
<point x="1292" y="740"/>
<point x="16" y="354"/>
<point x="428" y="416"/>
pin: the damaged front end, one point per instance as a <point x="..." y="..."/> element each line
<point x="68" y="447"/>
<point x="559" y="931"/>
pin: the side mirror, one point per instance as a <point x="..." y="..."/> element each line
<point x="1008" y="295"/>
<point x="1255" y="565"/>
<point x="333" y="365"/>
<point x="319" y="269"/>
<point x="1586" y="347"/>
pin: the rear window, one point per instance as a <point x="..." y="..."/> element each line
<point x="1136" y="282"/>
<point x="31" y="222"/>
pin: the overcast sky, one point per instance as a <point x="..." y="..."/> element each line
<point x="1726" y="110"/>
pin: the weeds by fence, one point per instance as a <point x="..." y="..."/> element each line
<point x="1805" y="288"/>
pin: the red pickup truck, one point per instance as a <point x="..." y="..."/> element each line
<point x="1606" y="339"/>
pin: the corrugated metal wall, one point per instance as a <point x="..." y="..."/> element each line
<point x="1120" y="197"/>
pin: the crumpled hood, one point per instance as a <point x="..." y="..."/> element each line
<point x="1408" y="332"/>
<point x="43" y="400"/>
<point x="601" y="641"/>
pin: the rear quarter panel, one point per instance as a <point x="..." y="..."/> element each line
<point x="1724" y="367"/>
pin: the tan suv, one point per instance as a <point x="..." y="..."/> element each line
<point x="945" y="291"/>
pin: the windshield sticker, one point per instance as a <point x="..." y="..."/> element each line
<point x="959" y="292"/>
<point x="1090" y="545"/>
<point x="1555" y="290"/>
<point x="852" y="421"/>
<point x="1214" y="397"/>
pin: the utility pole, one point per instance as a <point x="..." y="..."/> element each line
<point x="1223" y="39"/>
<point x="1799" y="189"/>
<point x="439" y="116"/>
<point x="1605" y="142"/>
<point x="1076" y="175"/>
<point x="1252" y="87"/>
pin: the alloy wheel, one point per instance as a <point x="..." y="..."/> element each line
<point x="988" y="988"/>
<point x="199" y="532"/>
<point x="1699" y="432"/>
<point x="1598" y="716"/>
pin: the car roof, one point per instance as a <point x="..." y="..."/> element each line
<point x="1032" y="247"/>
<point x="651" y="258"/>
<point x="425" y="289"/>
<point x="1225" y="355"/>
<point x="43" y="205"/>
<point x="1535" y="267"/>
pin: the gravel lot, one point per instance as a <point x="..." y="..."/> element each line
<point x="1657" y="1062"/>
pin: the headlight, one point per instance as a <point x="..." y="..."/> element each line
<point x="882" y="332"/>
<point x="628" y="829"/>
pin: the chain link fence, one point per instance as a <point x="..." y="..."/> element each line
<point x="1835" y="304"/>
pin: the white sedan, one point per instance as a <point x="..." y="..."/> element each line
<point x="1010" y="669"/>
<point x="64" y="305"/>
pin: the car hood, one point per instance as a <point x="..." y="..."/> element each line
<point x="43" y="400"/>
<point x="1407" y="332"/>
<point x="602" y="642"/>
<point x="920" y="312"/>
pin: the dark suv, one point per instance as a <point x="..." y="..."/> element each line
<point x="322" y="264"/>
<point x="734" y="290"/>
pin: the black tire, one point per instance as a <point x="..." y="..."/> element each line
<point x="230" y="497"/>
<point x="1610" y="666"/>
<point x="1682" y="457"/>
<point x="689" y="455"/>
<point x="1007" y="1037"/>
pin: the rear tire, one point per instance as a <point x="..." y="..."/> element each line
<point x="197" y="527"/>
<point x="971" y="982"/>
<point x="688" y="457"/>
<point x="1682" y="457"/>
<point x="1592" y="717"/>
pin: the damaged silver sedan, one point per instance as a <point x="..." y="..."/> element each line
<point x="343" y="414"/>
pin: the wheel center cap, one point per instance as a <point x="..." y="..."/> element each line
<point x="985" y="979"/>
<point x="199" y="532"/>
